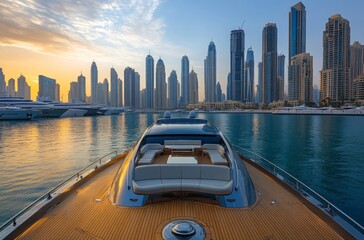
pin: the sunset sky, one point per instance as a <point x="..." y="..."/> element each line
<point x="60" y="39"/>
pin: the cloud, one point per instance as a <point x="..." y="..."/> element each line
<point x="127" y="28"/>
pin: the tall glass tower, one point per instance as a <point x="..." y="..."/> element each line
<point x="185" y="79"/>
<point x="237" y="45"/>
<point x="210" y="73"/>
<point x="94" y="81"/>
<point x="249" y="76"/>
<point x="296" y="45"/>
<point x="114" y="88"/>
<point x="149" y="81"/>
<point x="270" y="91"/>
<point x="161" y="86"/>
<point x="172" y="90"/>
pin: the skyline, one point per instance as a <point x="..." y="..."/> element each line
<point x="161" y="28"/>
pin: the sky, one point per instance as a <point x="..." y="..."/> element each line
<point x="60" y="39"/>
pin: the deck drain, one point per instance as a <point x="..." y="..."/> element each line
<point x="183" y="229"/>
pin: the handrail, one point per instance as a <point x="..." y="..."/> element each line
<point x="48" y="194"/>
<point x="331" y="208"/>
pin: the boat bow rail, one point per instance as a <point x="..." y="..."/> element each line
<point x="318" y="200"/>
<point x="24" y="214"/>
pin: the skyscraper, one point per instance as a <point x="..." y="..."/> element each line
<point x="120" y="93"/>
<point x="210" y="73"/>
<point x="105" y="92"/>
<point x="172" y="89"/>
<point x="335" y="75"/>
<point x="58" y="92"/>
<point x="73" y="92"/>
<point x="161" y="86"/>
<point x="149" y="81"/>
<point x="114" y="93"/>
<point x="269" y="57"/>
<point x="193" y="87"/>
<point x="2" y="83"/>
<point x="297" y="44"/>
<point x="11" y="87"/>
<point x="94" y="81"/>
<point x="47" y="88"/>
<point x="228" y="87"/>
<point x="237" y="45"/>
<point x="280" y="76"/>
<point x="297" y="30"/>
<point x="129" y="87"/>
<point x="81" y="80"/>
<point x="218" y="92"/>
<point x="302" y="70"/>
<point x="357" y="64"/>
<point x="249" y="76"/>
<point x="185" y="71"/>
<point x="137" y="90"/>
<point x="260" y="83"/>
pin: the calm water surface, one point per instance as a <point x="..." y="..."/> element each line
<point x="326" y="152"/>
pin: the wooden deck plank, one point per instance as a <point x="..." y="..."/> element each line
<point x="80" y="216"/>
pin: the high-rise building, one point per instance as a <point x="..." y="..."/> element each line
<point x="161" y="86"/>
<point x="129" y="79"/>
<point x="228" y="87"/>
<point x="210" y="73"/>
<point x="357" y="63"/>
<point x="316" y="94"/>
<point x="73" y="92"/>
<point x="269" y="67"/>
<point x="297" y="44"/>
<point x="105" y="92"/>
<point x="335" y="74"/>
<point x="143" y="99"/>
<point x="172" y="90"/>
<point x="218" y="92"/>
<point x="11" y="87"/>
<point x="2" y="84"/>
<point x="94" y="81"/>
<point x="114" y="93"/>
<point x="193" y="93"/>
<point x="280" y="76"/>
<point x="359" y="88"/>
<point x="58" y="92"/>
<point x="47" y="88"/>
<point x="100" y="96"/>
<point x="120" y="93"/>
<point x="302" y="71"/>
<point x="185" y="71"/>
<point x="248" y="95"/>
<point x="137" y="90"/>
<point x="297" y="30"/>
<point x="149" y="81"/>
<point x="237" y="45"/>
<point x="81" y="80"/>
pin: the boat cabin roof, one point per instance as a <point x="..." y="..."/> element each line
<point x="182" y="126"/>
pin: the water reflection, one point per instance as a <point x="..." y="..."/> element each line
<point x="325" y="152"/>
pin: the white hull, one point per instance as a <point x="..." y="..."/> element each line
<point x="74" y="112"/>
<point x="17" y="114"/>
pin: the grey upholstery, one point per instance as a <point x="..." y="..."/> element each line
<point x="152" y="179"/>
<point x="215" y="151"/>
<point x="149" y="152"/>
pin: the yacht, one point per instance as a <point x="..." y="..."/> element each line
<point x="182" y="180"/>
<point x="16" y="113"/>
<point x="45" y="109"/>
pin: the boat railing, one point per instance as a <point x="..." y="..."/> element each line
<point x="75" y="177"/>
<point x="338" y="215"/>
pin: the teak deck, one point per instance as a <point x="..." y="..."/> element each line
<point x="87" y="214"/>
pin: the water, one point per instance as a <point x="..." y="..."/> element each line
<point x="325" y="152"/>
